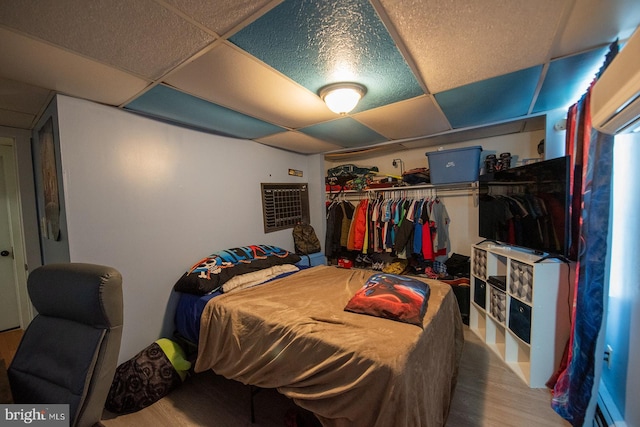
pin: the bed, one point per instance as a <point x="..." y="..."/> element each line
<point x="349" y="369"/>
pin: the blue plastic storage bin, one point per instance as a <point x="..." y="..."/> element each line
<point x="457" y="165"/>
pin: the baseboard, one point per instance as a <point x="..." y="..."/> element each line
<point x="607" y="414"/>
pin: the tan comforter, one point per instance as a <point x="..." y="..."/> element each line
<point x="349" y="369"/>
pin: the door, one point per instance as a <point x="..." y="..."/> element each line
<point x="9" y="303"/>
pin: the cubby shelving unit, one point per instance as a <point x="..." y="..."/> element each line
<point x="520" y="308"/>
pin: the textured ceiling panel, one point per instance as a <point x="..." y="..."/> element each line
<point x="456" y="43"/>
<point x="492" y="100"/>
<point x="298" y="142"/>
<point x="229" y="77"/>
<point x="475" y="134"/>
<point x="364" y="153"/>
<point x="21" y="97"/>
<point x="345" y="132"/>
<point x="252" y="69"/>
<point x="219" y="16"/>
<point x="320" y="42"/>
<point x="174" y="106"/>
<point x="419" y="116"/>
<point x="593" y="23"/>
<point x="562" y="87"/>
<point x="39" y="64"/>
<point x="14" y="119"/>
<point x="138" y="36"/>
<point x="534" y="123"/>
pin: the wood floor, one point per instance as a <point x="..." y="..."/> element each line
<point x="9" y="341"/>
<point x="487" y="394"/>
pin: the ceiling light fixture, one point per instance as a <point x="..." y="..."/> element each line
<point x="342" y="97"/>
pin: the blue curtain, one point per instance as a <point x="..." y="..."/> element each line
<point x="573" y="386"/>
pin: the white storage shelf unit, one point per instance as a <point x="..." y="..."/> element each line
<point x="525" y="321"/>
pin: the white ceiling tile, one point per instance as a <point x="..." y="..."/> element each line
<point x="406" y="119"/>
<point x="21" y="97"/>
<point x="298" y="142"/>
<point x="14" y="119"/>
<point x="221" y="16"/>
<point x="40" y="64"/>
<point x="456" y="43"/>
<point x="231" y="78"/>
<point x="468" y="135"/>
<point x="593" y="21"/>
<point x="361" y="153"/>
<point x="139" y="36"/>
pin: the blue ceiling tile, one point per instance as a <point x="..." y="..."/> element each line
<point x="320" y="42"/>
<point x="568" y="79"/>
<point x="492" y="100"/>
<point x="345" y="132"/>
<point x="175" y="106"/>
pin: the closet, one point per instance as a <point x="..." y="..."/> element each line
<point x="379" y="226"/>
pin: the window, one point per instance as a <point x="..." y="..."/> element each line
<point x="284" y="205"/>
<point x="623" y="304"/>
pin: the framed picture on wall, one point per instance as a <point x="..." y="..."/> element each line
<point x="50" y="221"/>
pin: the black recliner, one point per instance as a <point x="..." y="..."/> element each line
<point x="69" y="351"/>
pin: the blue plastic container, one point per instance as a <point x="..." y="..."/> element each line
<point x="457" y="165"/>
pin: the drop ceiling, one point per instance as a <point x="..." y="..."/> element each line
<point x="252" y="69"/>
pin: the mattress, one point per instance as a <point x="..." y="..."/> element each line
<point x="349" y="369"/>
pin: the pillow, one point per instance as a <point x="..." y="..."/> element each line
<point x="147" y="377"/>
<point x="210" y="273"/>
<point x="176" y="356"/>
<point x="254" y="278"/>
<point x="392" y="297"/>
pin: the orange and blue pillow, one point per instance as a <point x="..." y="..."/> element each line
<point x="392" y="296"/>
<point x="208" y="274"/>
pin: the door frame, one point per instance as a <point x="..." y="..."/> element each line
<point x="20" y="190"/>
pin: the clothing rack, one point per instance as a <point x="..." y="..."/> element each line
<point x="506" y="190"/>
<point x="411" y="192"/>
<point x="402" y="220"/>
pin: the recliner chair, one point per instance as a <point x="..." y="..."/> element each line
<point x="69" y="351"/>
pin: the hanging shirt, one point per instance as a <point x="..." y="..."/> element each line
<point x="441" y="219"/>
<point x="427" y="242"/>
<point x="417" y="228"/>
<point x="345" y="225"/>
<point x="360" y="219"/>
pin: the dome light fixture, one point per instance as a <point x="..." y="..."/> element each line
<point x="342" y="97"/>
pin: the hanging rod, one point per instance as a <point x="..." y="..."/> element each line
<point x="471" y="187"/>
<point x="438" y="187"/>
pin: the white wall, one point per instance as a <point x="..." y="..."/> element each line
<point x="461" y="205"/>
<point x="555" y="133"/>
<point x="150" y="199"/>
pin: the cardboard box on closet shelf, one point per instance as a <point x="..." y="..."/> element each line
<point x="452" y="166"/>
